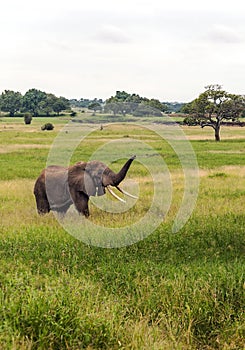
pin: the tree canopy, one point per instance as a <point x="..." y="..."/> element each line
<point x="95" y="106"/>
<point x="11" y="102"/>
<point x="124" y="103"/>
<point x="32" y="101"/>
<point x="84" y="102"/>
<point x="35" y="102"/>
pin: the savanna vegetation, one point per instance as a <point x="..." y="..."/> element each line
<point x="183" y="290"/>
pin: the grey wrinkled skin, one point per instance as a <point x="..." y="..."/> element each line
<point x="57" y="188"/>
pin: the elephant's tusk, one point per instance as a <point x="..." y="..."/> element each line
<point x="126" y="193"/>
<point x="115" y="195"/>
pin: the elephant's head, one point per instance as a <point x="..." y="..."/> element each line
<point x="94" y="177"/>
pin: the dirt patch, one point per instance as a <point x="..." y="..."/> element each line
<point x="233" y="169"/>
<point x="18" y="147"/>
<point x="17" y="127"/>
<point x="228" y="152"/>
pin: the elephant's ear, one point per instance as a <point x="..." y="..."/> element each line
<point x="96" y="170"/>
<point x="81" y="180"/>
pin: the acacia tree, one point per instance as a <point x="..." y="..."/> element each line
<point x="213" y="106"/>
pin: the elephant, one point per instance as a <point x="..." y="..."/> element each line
<point x="57" y="187"/>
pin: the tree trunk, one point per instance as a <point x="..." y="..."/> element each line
<point x="217" y="132"/>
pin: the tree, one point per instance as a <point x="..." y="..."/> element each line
<point x="32" y="101"/>
<point x="124" y="103"/>
<point x="95" y="106"/>
<point x="84" y="102"/>
<point x="157" y="105"/>
<point x="186" y="108"/>
<point x="214" y="106"/>
<point x="121" y="96"/>
<point x="113" y="107"/>
<point x="61" y="104"/>
<point x="11" y="102"/>
<point x="47" y="104"/>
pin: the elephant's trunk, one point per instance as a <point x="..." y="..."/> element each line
<point x="117" y="178"/>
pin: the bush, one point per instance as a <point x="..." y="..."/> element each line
<point x="27" y="118"/>
<point x="47" y="126"/>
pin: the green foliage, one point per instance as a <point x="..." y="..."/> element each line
<point x="156" y="105"/>
<point x="47" y="126"/>
<point x="27" y="118"/>
<point x="84" y="102"/>
<point x="32" y="100"/>
<point x="11" y="102"/>
<point x="95" y="106"/>
<point x="213" y="106"/>
<point x="60" y="104"/>
<point x="217" y="104"/>
<point x="126" y="103"/>
<point x="190" y="120"/>
<point x="186" y="108"/>
<point x="46" y="106"/>
<point x="175" y="107"/>
<point x="146" y="110"/>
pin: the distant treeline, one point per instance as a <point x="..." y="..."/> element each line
<point x="124" y="102"/>
<point x="37" y="103"/>
<point x="85" y="102"/>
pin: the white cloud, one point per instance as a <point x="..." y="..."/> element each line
<point x="112" y="34"/>
<point x="225" y="35"/>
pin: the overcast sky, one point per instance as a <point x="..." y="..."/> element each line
<point x="168" y="50"/>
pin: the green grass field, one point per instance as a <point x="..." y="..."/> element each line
<point x="183" y="290"/>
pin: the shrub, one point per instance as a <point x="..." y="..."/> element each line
<point x="27" y="118"/>
<point x="47" y="126"/>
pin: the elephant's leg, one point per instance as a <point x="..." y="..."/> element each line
<point x="63" y="210"/>
<point x="80" y="200"/>
<point x="42" y="205"/>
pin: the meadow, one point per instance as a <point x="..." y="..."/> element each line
<point x="183" y="290"/>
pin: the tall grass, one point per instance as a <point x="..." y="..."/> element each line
<point x="168" y="291"/>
